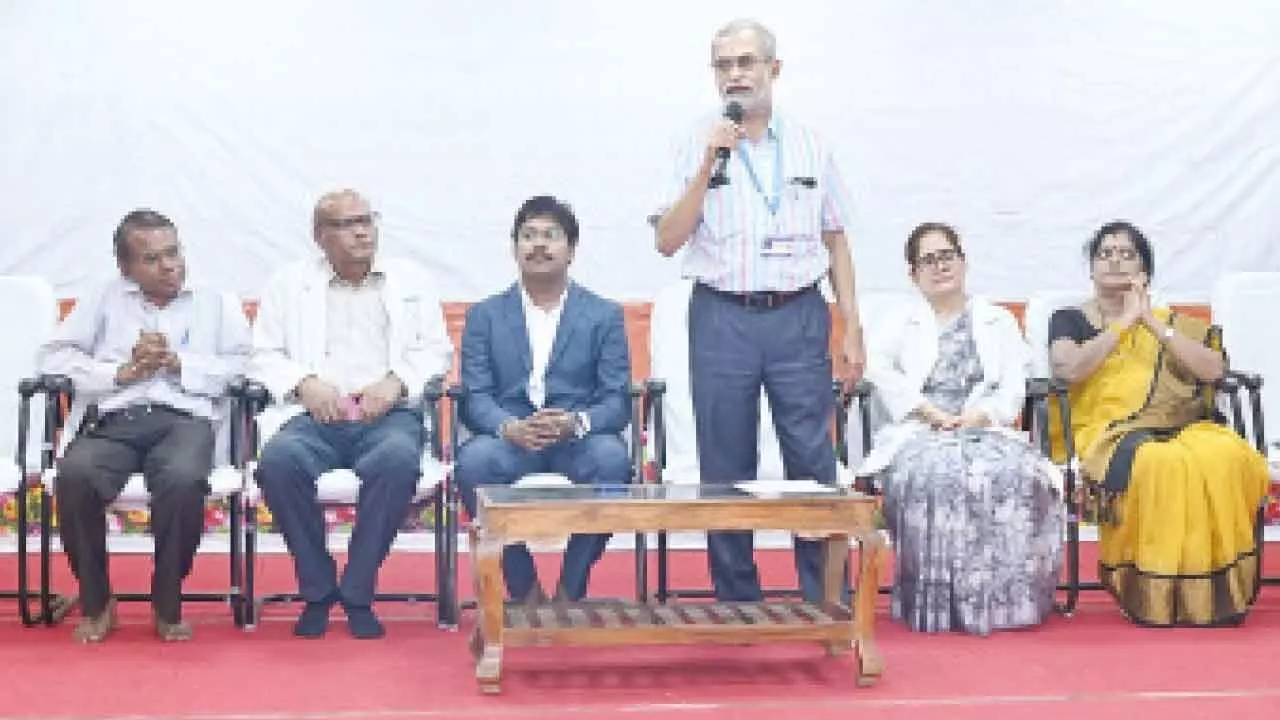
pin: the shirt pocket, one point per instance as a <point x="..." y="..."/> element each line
<point x="411" y="308"/>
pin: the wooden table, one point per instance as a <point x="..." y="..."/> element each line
<point x="509" y="515"/>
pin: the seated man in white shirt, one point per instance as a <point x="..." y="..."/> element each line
<point x="154" y="356"/>
<point x="546" y="378"/>
<point x="345" y="343"/>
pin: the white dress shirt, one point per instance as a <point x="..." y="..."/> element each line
<point x="541" y="326"/>
<point x="356" y="353"/>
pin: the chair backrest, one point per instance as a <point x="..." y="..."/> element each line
<point x="669" y="362"/>
<point x="28" y="314"/>
<point x="1244" y="306"/>
<point x="1040" y="307"/>
<point x="875" y="308"/>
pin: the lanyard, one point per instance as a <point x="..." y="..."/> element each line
<point x="770" y="201"/>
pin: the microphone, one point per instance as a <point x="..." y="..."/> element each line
<point x="719" y="176"/>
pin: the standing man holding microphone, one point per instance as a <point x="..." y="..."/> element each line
<point x="759" y="206"/>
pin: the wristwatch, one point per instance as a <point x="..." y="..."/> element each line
<point x="581" y="424"/>
<point x="1168" y="333"/>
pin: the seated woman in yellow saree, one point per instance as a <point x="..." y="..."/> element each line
<point x="1178" y="493"/>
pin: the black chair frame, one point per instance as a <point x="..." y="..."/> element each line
<point x="1040" y="391"/>
<point x="643" y="396"/>
<point x="257" y="398"/>
<point x="58" y="392"/>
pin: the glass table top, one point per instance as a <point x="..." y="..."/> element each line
<point x="505" y="495"/>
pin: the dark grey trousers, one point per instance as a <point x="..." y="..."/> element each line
<point x="174" y="453"/>
<point x="734" y="350"/>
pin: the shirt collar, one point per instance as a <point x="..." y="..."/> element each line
<point x="774" y="130"/>
<point x="529" y="305"/>
<point x="331" y="275"/>
<point x="131" y="288"/>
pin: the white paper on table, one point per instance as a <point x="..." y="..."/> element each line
<point x="783" y="487"/>
<point x="543" y="480"/>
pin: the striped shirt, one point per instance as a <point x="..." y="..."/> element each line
<point x="742" y="244"/>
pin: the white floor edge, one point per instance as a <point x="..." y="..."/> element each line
<point x="423" y="542"/>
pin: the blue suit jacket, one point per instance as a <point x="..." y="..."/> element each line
<point x="589" y="369"/>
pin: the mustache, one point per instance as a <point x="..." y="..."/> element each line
<point x="538" y="255"/>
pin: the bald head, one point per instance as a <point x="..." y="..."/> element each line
<point x="765" y="40"/>
<point x="337" y="204"/>
<point x="346" y="229"/>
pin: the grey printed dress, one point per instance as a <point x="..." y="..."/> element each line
<point x="975" y="519"/>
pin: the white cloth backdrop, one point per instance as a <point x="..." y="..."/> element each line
<point x="1026" y="124"/>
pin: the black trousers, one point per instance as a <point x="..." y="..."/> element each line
<point x="174" y="453"/>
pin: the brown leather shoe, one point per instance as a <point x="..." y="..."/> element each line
<point x="173" y="632"/>
<point x="96" y="629"/>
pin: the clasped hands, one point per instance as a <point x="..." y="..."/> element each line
<point x="544" y="428"/>
<point x="940" y="420"/>
<point x="325" y="402"/>
<point x="1137" y="306"/>
<point x="150" y="355"/>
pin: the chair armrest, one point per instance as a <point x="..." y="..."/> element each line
<point x="861" y="392"/>
<point x="1250" y="380"/>
<point x="455" y="394"/>
<point x="256" y="396"/>
<point x="432" y="393"/>
<point x="653" y="417"/>
<point x="1037" y="419"/>
<point x="1232" y="383"/>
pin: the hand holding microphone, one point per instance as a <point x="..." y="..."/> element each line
<point x="724" y="135"/>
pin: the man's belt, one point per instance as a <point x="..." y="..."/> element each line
<point x="137" y="411"/>
<point x="761" y="299"/>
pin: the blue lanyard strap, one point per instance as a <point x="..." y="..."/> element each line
<point x="771" y="200"/>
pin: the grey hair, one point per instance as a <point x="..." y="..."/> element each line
<point x="768" y="43"/>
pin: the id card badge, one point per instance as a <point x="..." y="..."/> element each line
<point x="778" y="246"/>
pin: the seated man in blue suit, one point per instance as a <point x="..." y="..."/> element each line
<point x="546" y="377"/>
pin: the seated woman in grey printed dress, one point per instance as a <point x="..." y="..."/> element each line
<point x="974" y="511"/>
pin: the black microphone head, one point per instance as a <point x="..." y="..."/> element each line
<point x="733" y="111"/>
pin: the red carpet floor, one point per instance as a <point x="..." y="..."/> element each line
<point x="1093" y="664"/>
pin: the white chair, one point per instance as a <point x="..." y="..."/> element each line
<point x="1244" y="305"/>
<point x="28" y="312"/>
<point x="669" y="361"/>
<point x="341" y="487"/>
<point x="225" y="483"/>
<point x="875" y="308"/>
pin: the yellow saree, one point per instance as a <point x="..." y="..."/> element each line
<point x="1177" y="494"/>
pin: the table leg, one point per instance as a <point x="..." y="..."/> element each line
<point x="487" y="641"/>
<point x="835" y="554"/>
<point x="870" y="664"/>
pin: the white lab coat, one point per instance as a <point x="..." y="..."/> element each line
<point x="902" y="353"/>
<point x="289" y="332"/>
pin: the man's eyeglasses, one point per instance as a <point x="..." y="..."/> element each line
<point x="550" y="234"/>
<point x="742" y="62"/>
<point x="1121" y="253"/>
<point x="350" y="221"/>
<point x="941" y="257"/>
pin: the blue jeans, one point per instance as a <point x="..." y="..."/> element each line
<point x="595" y="459"/>
<point x="385" y="454"/>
